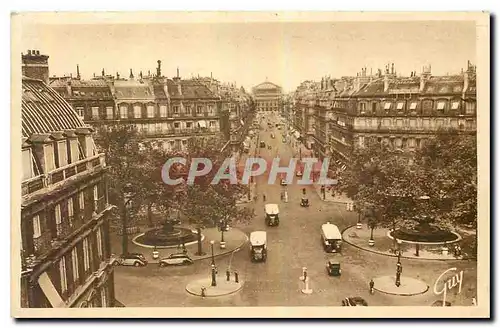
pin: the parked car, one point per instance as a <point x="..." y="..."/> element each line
<point x="354" y="301"/>
<point x="132" y="259"/>
<point x="175" y="259"/>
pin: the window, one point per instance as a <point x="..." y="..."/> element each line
<point x="86" y="255"/>
<point x="74" y="264"/>
<point x="70" y="211"/>
<point x="361" y="122"/>
<point x="80" y="111"/>
<point x="400" y="106"/>
<point x="454" y="123"/>
<point x="146" y="128"/>
<point x="164" y="127"/>
<point x="151" y="111"/>
<point x="413" y="123"/>
<point x="99" y="242"/>
<point x="189" y="125"/>
<point x="57" y="213"/>
<point x="163" y="111"/>
<point x="176" y="109"/>
<point x="399" y="123"/>
<point x="104" y="301"/>
<point x="81" y="201"/>
<point x="37" y="229"/>
<point x="455" y="105"/>
<point x="470" y="107"/>
<point x="211" y="109"/>
<point x="96" y="193"/>
<point x="137" y="111"/>
<point x="198" y="109"/>
<point x="27" y="164"/>
<point x="386" y="122"/>
<point x="109" y="113"/>
<point x="50" y="164"/>
<point x="411" y="143"/>
<point x="362" y="108"/>
<point x="95" y="113"/>
<point x="62" y="273"/>
<point x="440" y="105"/>
<point x="440" y="123"/>
<point x="62" y="153"/>
<point x="469" y="124"/>
<point x="212" y="124"/>
<point x="413" y="106"/>
<point x="427" y="105"/>
<point x="398" y="143"/>
<point x="158" y="127"/>
<point x="177" y="125"/>
<point x="387" y="106"/>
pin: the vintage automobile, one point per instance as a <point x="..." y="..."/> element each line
<point x="175" y="259"/>
<point x="132" y="259"/>
<point x="258" y="242"/>
<point x="354" y="301"/>
<point x="333" y="268"/>
<point x="272" y="214"/>
<point x="283" y="181"/>
<point x="262" y="144"/>
<point x="304" y="202"/>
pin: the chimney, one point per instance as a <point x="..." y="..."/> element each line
<point x="77" y="71"/>
<point x="35" y="66"/>
<point x="158" y="69"/>
<point x="103" y="73"/>
<point x="131" y="76"/>
<point x="386" y="83"/>
<point x="117" y="75"/>
<point x="178" y="72"/>
<point x="140" y="74"/>
<point x="177" y="78"/>
<point x="392" y="68"/>
<point x="426" y="74"/>
<point x="466" y="83"/>
<point x="179" y="89"/>
<point x="68" y="89"/>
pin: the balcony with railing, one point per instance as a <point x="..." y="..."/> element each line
<point x="61" y="174"/>
<point x="180" y="132"/>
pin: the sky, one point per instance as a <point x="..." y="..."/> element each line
<point x="250" y="53"/>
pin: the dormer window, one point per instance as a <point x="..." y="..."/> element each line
<point x="440" y="106"/>
<point x="123" y="111"/>
<point x="62" y="153"/>
<point x="137" y="111"/>
<point x="163" y="111"/>
<point x="400" y="106"/>
<point x="455" y="105"/>
<point x="470" y="107"/>
<point x="387" y="106"/>
<point x="362" y="108"/>
<point x="413" y="106"/>
<point x="151" y="111"/>
<point x="28" y="164"/>
<point x="176" y="109"/>
<point x="49" y="157"/>
<point x="95" y="113"/>
<point x="37" y="229"/>
<point x="80" y="111"/>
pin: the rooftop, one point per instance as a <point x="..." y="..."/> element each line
<point x="44" y="110"/>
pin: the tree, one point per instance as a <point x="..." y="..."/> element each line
<point x="123" y="161"/>
<point x="155" y="193"/>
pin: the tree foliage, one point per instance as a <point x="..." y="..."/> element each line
<point x="390" y="184"/>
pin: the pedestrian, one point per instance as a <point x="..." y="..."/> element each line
<point x="228" y="274"/>
<point x="372" y="284"/>
<point x="236" y="277"/>
<point x="264" y="197"/>
<point x="203" y="292"/>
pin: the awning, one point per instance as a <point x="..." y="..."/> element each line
<point x="50" y="291"/>
<point x="202" y="124"/>
<point x="296" y="134"/>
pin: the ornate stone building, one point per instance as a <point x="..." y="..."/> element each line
<point x="65" y="245"/>
<point x="403" y="112"/>
<point x="268" y="97"/>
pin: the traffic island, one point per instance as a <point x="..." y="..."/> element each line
<point x="203" y="287"/>
<point x="409" y="286"/>
<point x="234" y="240"/>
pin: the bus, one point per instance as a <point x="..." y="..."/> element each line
<point x="331" y="238"/>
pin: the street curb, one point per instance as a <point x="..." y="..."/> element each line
<point x="395" y="256"/>
<point x="413" y="294"/>
<point x="238" y="248"/>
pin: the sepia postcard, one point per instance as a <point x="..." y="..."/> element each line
<point x="250" y="165"/>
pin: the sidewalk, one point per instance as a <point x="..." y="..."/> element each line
<point x="342" y="198"/>
<point x="234" y="238"/>
<point x="384" y="245"/>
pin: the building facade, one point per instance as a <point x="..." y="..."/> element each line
<point x="341" y="114"/>
<point x="268" y="97"/>
<point x="65" y="245"/>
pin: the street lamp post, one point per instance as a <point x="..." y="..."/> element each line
<point x="399" y="267"/>
<point x="212" y="247"/>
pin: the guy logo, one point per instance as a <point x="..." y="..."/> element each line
<point x="441" y="287"/>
